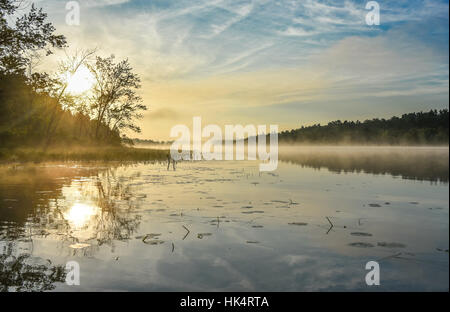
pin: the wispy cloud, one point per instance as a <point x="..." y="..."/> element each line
<point x="216" y="57"/>
<point x="100" y="3"/>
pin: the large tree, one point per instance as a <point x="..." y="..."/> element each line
<point x="115" y="102"/>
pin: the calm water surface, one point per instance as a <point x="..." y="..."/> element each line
<point x="313" y="224"/>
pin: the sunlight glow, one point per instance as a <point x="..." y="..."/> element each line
<point x="79" y="214"/>
<point x="81" y="81"/>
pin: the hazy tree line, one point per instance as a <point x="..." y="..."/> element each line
<point x="150" y="142"/>
<point x="36" y="108"/>
<point x="413" y="128"/>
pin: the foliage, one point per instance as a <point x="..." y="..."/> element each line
<point x="29" y="33"/>
<point x="28" y="117"/>
<point x="414" y="128"/>
<point x="116" y="103"/>
<point x="37" y="110"/>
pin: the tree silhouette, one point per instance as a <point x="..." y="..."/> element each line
<point x="29" y="32"/>
<point x="413" y="128"/>
<point x="116" y="103"/>
<point x="35" y="107"/>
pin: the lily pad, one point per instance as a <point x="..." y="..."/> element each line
<point x="360" y="234"/>
<point x="391" y="245"/>
<point x="146" y="239"/>
<point x="361" y="245"/>
<point x="201" y="235"/>
<point x="154" y="242"/>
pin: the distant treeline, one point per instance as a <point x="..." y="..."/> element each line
<point x="150" y="142"/>
<point x="422" y="128"/>
<point x="37" y="109"/>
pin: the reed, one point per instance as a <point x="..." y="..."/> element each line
<point x="112" y="153"/>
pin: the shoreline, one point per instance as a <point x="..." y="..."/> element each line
<point x="136" y="153"/>
<point x="104" y="154"/>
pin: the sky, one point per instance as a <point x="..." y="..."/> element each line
<point x="288" y="63"/>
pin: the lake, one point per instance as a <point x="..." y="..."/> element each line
<point x="311" y="225"/>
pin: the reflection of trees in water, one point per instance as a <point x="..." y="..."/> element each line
<point x="28" y="193"/>
<point x="115" y="219"/>
<point x="114" y="222"/>
<point x="23" y="273"/>
<point x="33" y="204"/>
<point x="417" y="164"/>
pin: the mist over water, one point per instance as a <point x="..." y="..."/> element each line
<point x="312" y="224"/>
<point x="417" y="163"/>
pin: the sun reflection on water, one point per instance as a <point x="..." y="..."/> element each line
<point x="80" y="214"/>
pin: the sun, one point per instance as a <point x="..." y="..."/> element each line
<point x="79" y="82"/>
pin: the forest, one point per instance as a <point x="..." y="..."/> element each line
<point x="420" y="128"/>
<point x="42" y="110"/>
